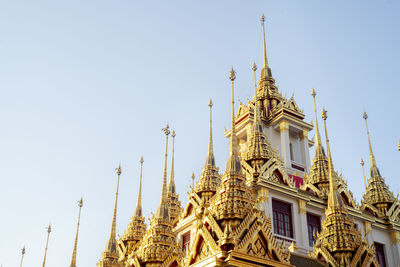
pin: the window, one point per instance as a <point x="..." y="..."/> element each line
<point x="282" y="215"/>
<point x="185" y="242"/>
<point x="380" y="254"/>
<point x="313" y="226"/>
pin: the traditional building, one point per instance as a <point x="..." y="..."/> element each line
<point x="272" y="206"/>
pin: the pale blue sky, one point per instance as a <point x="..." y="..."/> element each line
<point x="85" y="85"/>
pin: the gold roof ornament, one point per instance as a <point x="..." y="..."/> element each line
<point x="231" y="231"/>
<point x="292" y="248"/>
<point x="159" y="243"/>
<point x="229" y="206"/>
<point x="110" y="256"/>
<point x="209" y="178"/>
<point x="377" y="199"/>
<point x="23" y="250"/>
<point x="47" y="245"/>
<point x="172" y="196"/>
<point x="365" y="180"/>
<point x="317" y="180"/>
<point x="339" y="243"/>
<point x="259" y="150"/>
<point x="136" y="228"/>
<point x="74" y="252"/>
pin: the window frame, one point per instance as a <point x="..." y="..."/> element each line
<point x="382" y="246"/>
<point x="282" y="218"/>
<point x="185" y="245"/>
<point x="314" y="227"/>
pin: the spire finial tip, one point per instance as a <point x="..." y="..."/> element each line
<point x="365" y="116"/>
<point x="313" y="93"/>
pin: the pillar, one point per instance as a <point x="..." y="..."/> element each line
<point x="306" y="150"/>
<point x="395" y="237"/>
<point x="302" y="231"/>
<point x="285" y="149"/>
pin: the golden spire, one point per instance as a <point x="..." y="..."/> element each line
<point x="398" y="146"/>
<point x="378" y="194"/>
<point x="171" y="186"/>
<point x="318" y="176"/>
<point x="318" y="146"/>
<point x="163" y="209"/>
<point x="233" y="165"/>
<point x="47" y="243"/>
<point x="365" y="180"/>
<point x="265" y="72"/>
<point x="136" y="227"/>
<point x="225" y="205"/>
<point x="371" y="154"/>
<point x="209" y="178"/>
<point x="110" y="252"/>
<point x="257" y="121"/>
<point x="333" y="200"/>
<point x="22" y="256"/>
<point x="138" y="211"/>
<point x="210" y="155"/>
<point x="73" y="259"/>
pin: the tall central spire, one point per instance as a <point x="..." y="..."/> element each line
<point x="266" y="71"/>
<point x="138" y="211"/>
<point x="171" y="186"/>
<point x="333" y="200"/>
<point x="73" y="259"/>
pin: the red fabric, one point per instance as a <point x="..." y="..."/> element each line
<point x="298" y="181"/>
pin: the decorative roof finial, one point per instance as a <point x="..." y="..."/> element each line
<point x="111" y="246"/>
<point x="265" y="69"/>
<point x="257" y="121"/>
<point x="47" y="244"/>
<point x="371" y="154"/>
<point x="318" y="146"/>
<point x="210" y="155"/>
<point x="73" y="259"/>
<point x="164" y="184"/>
<point x="333" y="200"/>
<point x="138" y="211"/>
<point x="171" y="186"/>
<point x="233" y="164"/>
<point x="163" y="209"/>
<point x="233" y="146"/>
<point x="365" y="180"/>
<point x="398" y="146"/>
<point x="22" y="256"/>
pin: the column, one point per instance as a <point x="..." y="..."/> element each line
<point x="395" y="237"/>
<point x="368" y="232"/>
<point x="285" y="150"/>
<point x="264" y="201"/>
<point x="302" y="231"/>
<point x="306" y="150"/>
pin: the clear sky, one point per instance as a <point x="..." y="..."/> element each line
<point x="85" y="85"/>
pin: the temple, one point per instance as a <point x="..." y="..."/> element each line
<point x="271" y="204"/>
